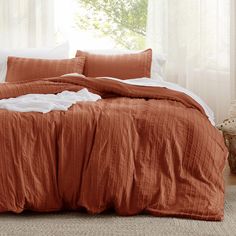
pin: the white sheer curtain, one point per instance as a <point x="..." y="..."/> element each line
<point x="26" y="23"/>
<point x="195" y="37"/>
<point x="233" y="50"/>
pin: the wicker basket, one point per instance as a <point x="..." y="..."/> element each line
<point x="230" y="141"/>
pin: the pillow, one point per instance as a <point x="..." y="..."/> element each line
<point x="121" y="66"/>
<point x="158" y="66"/>
<point x="58" y="52"/>
<point x="28" y="69"/>
<point x="158" y="60"/>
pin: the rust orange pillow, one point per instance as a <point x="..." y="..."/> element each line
<point x="28" y="69"/>
<point x="121" y="66"/>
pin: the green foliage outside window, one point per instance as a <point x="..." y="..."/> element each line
<point x="124" y="21"/>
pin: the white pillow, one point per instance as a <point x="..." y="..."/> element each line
<point x="59" y="52"/>
<point x="158" y="66"/>
<point x="158" y="61"/>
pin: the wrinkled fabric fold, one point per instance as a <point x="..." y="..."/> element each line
<point x="47" y="102"/>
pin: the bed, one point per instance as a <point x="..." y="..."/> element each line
<point x="145" y="147"/>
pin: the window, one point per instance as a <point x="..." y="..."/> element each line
<point x="102" y="23"/>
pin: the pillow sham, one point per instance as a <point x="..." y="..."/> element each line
<point x="121" y="66"/>
<point x="158" y="60"/>
<point x="28" y="69"/>
<point x="59" y="52"/>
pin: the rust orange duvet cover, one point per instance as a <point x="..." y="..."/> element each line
<point x="139" y="149"/>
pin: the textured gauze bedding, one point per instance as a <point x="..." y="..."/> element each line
<point x="139" y="149"/>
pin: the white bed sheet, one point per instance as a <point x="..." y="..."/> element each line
<point x="47" y="102"/>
